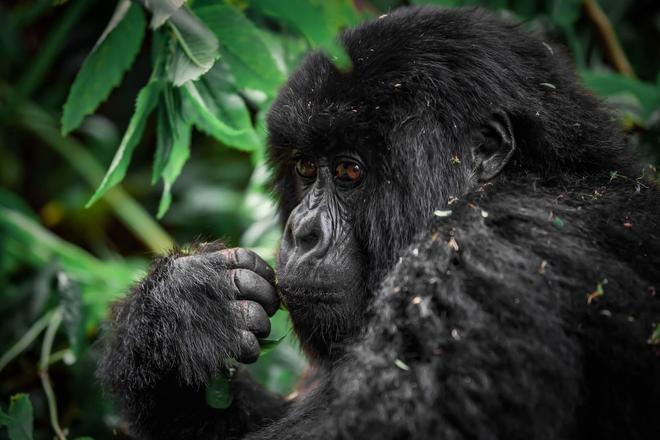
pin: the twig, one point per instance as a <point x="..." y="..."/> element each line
<point x="25" y="340"/>
<point x="612" y="44"/>
<point x="59" y="355"/>
<point x="46" y="348"/>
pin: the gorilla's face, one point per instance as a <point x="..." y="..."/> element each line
<point x="362" y="160"/>
<point x="320" y="261"/>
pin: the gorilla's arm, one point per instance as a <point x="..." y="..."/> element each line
<point x="177" y="329"/>
<point x="483" y="330"/>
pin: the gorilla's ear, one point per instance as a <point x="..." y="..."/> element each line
<point x="493" y="147"/>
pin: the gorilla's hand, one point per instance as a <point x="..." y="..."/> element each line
<point x="186" y="318"/>
<point x="241" y="288"/>
<point x="177" y="329"/>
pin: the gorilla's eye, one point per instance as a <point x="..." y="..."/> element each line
<point x="349" y="172"/>
<point x="306" y="168"/>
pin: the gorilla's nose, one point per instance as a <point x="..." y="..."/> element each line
<point x="306" y="236"/>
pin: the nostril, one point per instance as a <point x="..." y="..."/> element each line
<point x="304" y="232"/>
<point x="309" y="240"/>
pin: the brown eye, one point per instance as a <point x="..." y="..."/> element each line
<point x="306" y="168"/>
<point x="348" y="172"/>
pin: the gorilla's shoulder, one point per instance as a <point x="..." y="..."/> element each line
<point x="500" y="285"/>
<point x="515" y="243"/>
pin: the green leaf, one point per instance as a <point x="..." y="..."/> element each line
<point x="654" y="339"/>
<point x="12" y="201"/>
<point x="223" y="101"/>
<point x="205" y="114"/>
<point x="242" y="47"/>
<point x="340" y="13"/>
<point x="104" y="67"/>
<point x="566" y="12"/>
<point x="161" y="10"/>
<point x="611" y="84"/>
<point x="102" y="281"/>
<point x="196" y="48"/>
<point x="71" y="301"/>
<point x="19" y="419"/>
<point x="146" y="101"/>
<point x="309" y="17"/>
<point x="219" y="393"/>
<point x="179" y="154"/>
<point x="270" y="344"/>
<point x="164" y="140"/>
<point x="169" y="115"/>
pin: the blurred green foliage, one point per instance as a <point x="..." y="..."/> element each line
<point x="102" y="103"/>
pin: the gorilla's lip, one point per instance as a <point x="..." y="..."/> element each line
<point x="322" y="294"/>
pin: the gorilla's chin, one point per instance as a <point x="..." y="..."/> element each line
<point x="324" y="318"/>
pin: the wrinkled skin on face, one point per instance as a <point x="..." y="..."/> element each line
<point x="320" y="260"/>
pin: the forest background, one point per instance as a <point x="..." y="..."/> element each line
<point x="129" y="127"/>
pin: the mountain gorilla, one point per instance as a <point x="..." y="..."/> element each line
<point x="469" y="251"/>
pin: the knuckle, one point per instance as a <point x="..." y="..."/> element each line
<point x="225" y="258"/>
<point x="249" y="347"/>
<point x="245" y="279"/>
<point x="256" y="312"/>
<point x="243" y="256"/>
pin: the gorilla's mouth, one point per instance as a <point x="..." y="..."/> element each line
<point x="303" y="295"/>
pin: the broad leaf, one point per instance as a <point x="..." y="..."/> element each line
<point x="566" y="12"/>
<point x="223" y="101"/>
<point x="179" y="154"/>
<point x="104" y="67"/>
<point x="146" y="101"/>
<point x="164" y="140"/>
<point x="196" y="48"/>
<point x="270" y="344"/>
<point x="310" y="19"/>
<point x="611" y="84"/>
<point x="19" y="419"/>
<point x="169" y="115"/>
<point x="204" y="111"/>
<point x="161" y="10"/>
<point x="339" y="13"/>
<point x="101" y="281"/>
<point x="242" y="47"/>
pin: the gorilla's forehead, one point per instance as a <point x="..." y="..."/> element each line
<point x="406" y="66"/>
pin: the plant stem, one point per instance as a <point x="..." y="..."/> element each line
<point x="25" y="341"/>
<point x="46" y="348"/>
<point x="58" y="356"/>
<point x="612" y="44"/>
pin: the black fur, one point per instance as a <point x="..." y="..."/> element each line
<point x="167" y="339"/>
<point x="482" y="323"/>
<point x="497" y="338"/>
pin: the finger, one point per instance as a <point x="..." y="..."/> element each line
<point x="252" y="317"/>
<point x="249" y="348"/>
<point x="253" y="287"/>
<point x="240" y="258"/>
